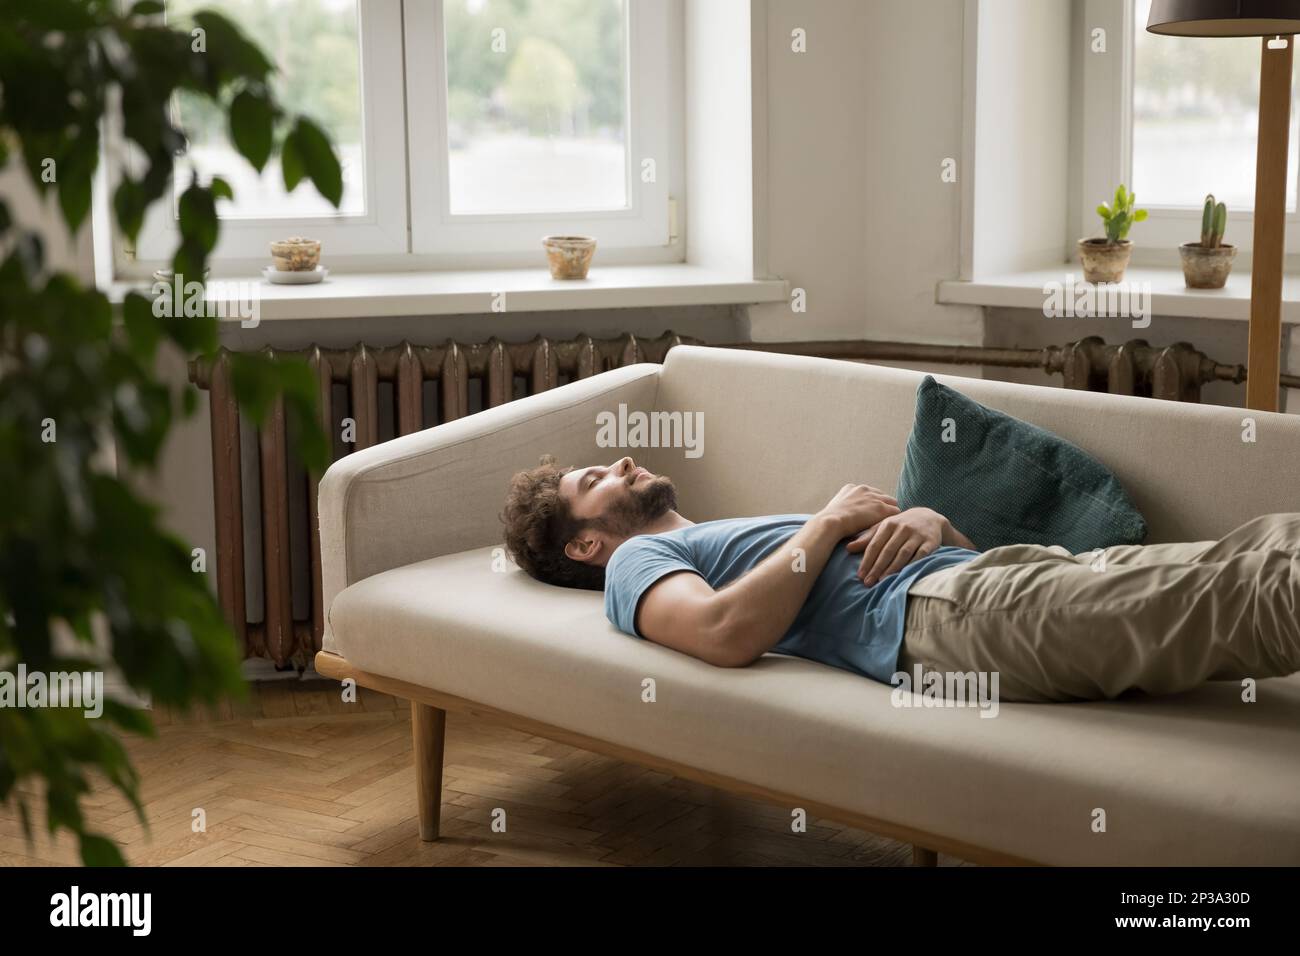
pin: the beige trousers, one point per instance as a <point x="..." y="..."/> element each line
<point x="1160" y="618"/>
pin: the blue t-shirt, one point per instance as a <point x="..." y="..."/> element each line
<point x="842" y="623"/>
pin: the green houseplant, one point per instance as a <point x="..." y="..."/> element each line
<point x="81" y="553"/>
<point x="1105" y="259"/>
<point x="1207" y="264"/>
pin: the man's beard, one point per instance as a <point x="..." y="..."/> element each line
<point x="642" y="506"/>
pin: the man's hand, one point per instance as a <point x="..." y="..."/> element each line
<point x="857" y="507"/>
<point x="888" y="546"/>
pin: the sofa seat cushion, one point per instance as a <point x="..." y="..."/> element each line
<point x="1199" y="778"/>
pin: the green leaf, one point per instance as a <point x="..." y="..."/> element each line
<point x="230" y="53"/>
<point x="29" y="254"/>
<point x="193" y="334"/>
<point x="319" y="161"/>
<point x="252" y="122"/>
<point x="1104" y="211"/>
<point x="129" y="204"/>
<point x="1140" y="215"/>
<point x="74" y="159"/>
<point x="1117" y="227"/>
<point x="147" y="8"/>
<point x="74" y="200"/>
<point x="197" y="215"/>
<point x="291" y="161"/>
<point x="143" y="329"/>
<point x="97" y="850"/>
<point x="190" y="260"/>
<point x="134" y="720"/>
<point x="221" y="189"/>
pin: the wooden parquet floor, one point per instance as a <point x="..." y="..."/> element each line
<point x="296" y="777"/>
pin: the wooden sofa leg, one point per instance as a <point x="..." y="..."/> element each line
<point x="923" y="857"/>
<point x="428" y="730"/>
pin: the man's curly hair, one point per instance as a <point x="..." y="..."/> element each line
<point x="539" y="523"/>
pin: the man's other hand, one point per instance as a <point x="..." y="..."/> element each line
<point x="887" y="547"/>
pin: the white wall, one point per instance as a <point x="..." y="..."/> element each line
<point x="856" y="130"/>
<point x="719" y="158"/>
<point x="1021" y="177"/>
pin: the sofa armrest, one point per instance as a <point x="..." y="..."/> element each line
<point x="440" y="491"/>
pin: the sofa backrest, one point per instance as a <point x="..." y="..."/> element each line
<point x="782" y="433"/>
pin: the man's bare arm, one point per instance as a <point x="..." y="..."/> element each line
<point x="736" y="625"/>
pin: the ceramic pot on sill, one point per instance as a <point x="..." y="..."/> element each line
<point x="1206" y="267"/>
<point x="569" y="256"/>
<point x="1103" y="260"/>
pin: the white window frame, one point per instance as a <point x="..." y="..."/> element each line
<point x="1107" y="149"/>
<point x="643" y="225"/>
<point x="382" y="228"/>
<point x="407" y="223"/>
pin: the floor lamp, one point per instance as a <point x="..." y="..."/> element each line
<point x="1277" y="21"/>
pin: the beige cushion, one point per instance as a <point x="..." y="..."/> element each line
<point x="1195" y="779"/>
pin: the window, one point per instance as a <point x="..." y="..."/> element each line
<point x="1195" y="118"/>
<point x="542" y="128"/>
<point x="530" y="117"/>
<point x="318" y="47"/>
<point x="467" y="129"/>
<point x="335" y="64"/>
<point x="1175" y="118"/>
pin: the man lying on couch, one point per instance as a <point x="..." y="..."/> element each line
<point x="868" y="588"/>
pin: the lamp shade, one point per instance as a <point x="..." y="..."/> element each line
<point x="1224" y="18"/>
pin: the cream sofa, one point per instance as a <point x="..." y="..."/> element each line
<point x="422" y="604"/>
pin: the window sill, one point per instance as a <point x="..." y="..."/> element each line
<point x="359" y="295"/>
<point x="1169" y="294"/>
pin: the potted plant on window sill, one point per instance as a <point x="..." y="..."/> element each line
<point x="1206" y="264"/>
<point x="1104" y="260"/>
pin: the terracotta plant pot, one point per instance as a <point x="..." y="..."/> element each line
<point x="1206" y="268"/>
<point x="1104" y="261"/>
<point x="570" y="256"/>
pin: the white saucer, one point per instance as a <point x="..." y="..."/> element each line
<point x="165" y="275"/>
<point x="274" y="275"/>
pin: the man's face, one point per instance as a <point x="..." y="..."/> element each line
<point x="619" y="498"/>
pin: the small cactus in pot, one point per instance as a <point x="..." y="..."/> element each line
<point x="1206" y="264"/>
<point x="1214" y="220"/>
<point x="1104" y="260"/>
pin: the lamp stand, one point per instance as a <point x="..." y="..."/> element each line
<point x="1264" y="362"/>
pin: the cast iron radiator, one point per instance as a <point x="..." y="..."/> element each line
<point x="386" y="392"/>
<point x="394" y="390"/>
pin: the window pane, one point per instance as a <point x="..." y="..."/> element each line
<point x="315" y="45"/>
<point x="1195" y="118"/>
<point x="536" y="105"/>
